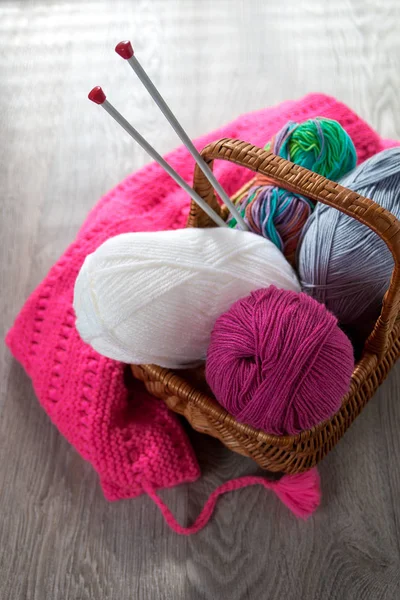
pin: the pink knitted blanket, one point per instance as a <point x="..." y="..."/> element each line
<point x="131" y="439"/>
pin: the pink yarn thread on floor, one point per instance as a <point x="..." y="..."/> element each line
<point x="301" y="493"/>
<point x="278" y="361"/>
<point x="84" y="393"/>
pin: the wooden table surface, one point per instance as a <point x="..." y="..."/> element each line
<point x="213" y="60"/>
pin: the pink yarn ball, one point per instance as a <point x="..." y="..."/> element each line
<point x="278" y="361"/>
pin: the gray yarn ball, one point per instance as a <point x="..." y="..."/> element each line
<point x="341" y="262"/>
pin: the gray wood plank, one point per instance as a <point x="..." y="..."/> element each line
<point x="213" y="60"/>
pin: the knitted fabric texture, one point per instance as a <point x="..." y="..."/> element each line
<point x="128" y="436"/>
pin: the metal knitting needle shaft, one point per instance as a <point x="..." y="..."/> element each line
<point x="97" y="95"/>
<point x="125" y="50"/>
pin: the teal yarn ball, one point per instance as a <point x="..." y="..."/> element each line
<point x="320" y="145"/>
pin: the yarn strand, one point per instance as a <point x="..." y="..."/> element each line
<point x="301" y="493"/>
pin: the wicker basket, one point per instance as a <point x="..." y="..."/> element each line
<point x="186" y="392"/>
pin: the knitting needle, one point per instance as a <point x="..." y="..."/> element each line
<point x="125" y="50"/>
<point x="98" y="96"/>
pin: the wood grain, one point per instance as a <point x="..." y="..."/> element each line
<point x="59" y="538"/>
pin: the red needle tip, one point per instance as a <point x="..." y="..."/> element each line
<point x="97" y="95"/>
<point x="124" y="49"/>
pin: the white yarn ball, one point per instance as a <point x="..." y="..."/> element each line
<point x="154" y="297"/>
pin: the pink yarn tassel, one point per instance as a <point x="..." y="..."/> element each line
<point x="301" y="493"/>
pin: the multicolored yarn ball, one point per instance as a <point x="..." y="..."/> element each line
<point x="277" y="215"/>
<point x="278" y="361"/>
<point x="343" y="263"/>
<point x="321" y="145"/>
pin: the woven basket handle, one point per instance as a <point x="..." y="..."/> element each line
<point x="302" y="181"/>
